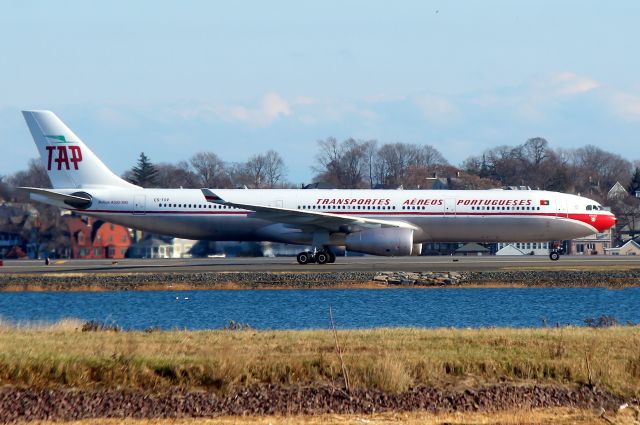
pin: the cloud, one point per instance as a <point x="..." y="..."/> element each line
<point x="437" y="109"/>
<point x="540" y="95"/>
<point x="569" y="84"/>
<point x="626" y="106"/>
<point x="113" y="117"/>
<point x="272" y="107"/>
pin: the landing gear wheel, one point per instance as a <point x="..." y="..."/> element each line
<point x="332" y="257"/>
<point x="322" y="257"/>
<point x="554" y="256"/>
<point x="303" y="258"/>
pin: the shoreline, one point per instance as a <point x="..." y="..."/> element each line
<point x="155" y="281"/>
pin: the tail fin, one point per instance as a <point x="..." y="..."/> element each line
<point x="68" y="161"/>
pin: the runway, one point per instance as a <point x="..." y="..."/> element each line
<point x="342" y="264"/>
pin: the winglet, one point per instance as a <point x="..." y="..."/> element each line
<point x="211" y="197"/>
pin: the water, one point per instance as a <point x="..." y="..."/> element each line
<point x="308" y="309"/>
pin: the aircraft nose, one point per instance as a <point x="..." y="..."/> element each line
<point x="605" y="221"/>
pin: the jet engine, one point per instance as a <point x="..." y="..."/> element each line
<point x="388" y="241"/>
<point x="82" y="200"/>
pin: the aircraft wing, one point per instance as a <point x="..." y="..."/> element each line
<point x="71" y="200"/>
<point x="305" y="219"/>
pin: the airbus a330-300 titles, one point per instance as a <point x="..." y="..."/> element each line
<point x="378" y="222"/>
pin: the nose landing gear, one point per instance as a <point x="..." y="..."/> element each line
<point x="321" y="256"/>
<point x="556" y="251"/>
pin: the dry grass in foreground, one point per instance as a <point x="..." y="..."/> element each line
<point x="389" y="359"/>
<point x="560" y="416"/>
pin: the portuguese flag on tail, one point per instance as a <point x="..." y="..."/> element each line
<point x="544" y="202"/>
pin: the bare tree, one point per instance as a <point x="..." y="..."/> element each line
<point x="627" y="211"/>
<point x="176" y="175"/>
<point x="392" y="163"/>
<point x="210" y="170"/>
<point x="535" y="150"/>
<point x="407" y="164"/>
<point x="328" y="161"/>
<point x="370" y="149"/>
<point x="595" y="171"/>
<point x="34" y="176"/>
<point x="531" y="164"/>
<point x="275" y="170"/>
<point x="343" y="164"/>
<point x="255" y="171"/>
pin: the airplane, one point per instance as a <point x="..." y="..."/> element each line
<point x="376" y="221"/>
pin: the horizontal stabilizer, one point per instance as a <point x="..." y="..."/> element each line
<point x="77" y="200"/>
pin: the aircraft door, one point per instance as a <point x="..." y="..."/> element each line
<point x="450" y="207"/>
<point x="561" y="208"/>
<point x="139" y="204"/>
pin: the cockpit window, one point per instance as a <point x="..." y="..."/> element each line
<point x="588" y="207"/>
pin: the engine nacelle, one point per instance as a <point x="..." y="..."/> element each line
<point x="388" y="241"/>
<point x="417" y="249"/>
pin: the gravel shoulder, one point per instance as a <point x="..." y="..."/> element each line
<point x="18" y="404"/>
<point x="316" y="280"/>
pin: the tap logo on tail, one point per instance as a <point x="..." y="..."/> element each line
<point x="63" y="156"/>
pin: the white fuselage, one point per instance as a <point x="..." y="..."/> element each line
<point x="439" y="215"/>
<point x="380" y="222"/>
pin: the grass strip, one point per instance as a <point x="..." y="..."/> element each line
<point x="389" y="359"/>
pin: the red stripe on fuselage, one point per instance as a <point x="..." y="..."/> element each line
<point x="601" y="222"/>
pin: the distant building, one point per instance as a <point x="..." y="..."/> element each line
<point x="472" y="249"/>
<point x="11" y="245"/>
<point x="440" y="248"/>
<point x="617" y="191"/>
<point x="18" y="224"/>
<point x="523" y="248"/>
<point x="91" y="238"/>
<point x="156" y="246"/>
<point x="436" y="183"/>
<point x="596" y="244"/>
<point x="630" y="230"/>
<point x="629" y="248"/>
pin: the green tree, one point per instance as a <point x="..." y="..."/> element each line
<point x="144" y="173"/>
<point x="634" y="185"/>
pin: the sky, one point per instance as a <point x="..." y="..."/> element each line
<point x="171" y="79"/>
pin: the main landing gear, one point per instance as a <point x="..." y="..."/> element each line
<point x="320" y="256"/>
